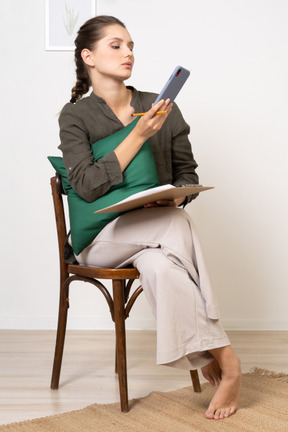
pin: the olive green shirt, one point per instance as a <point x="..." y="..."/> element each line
<point x="90" y="119"/>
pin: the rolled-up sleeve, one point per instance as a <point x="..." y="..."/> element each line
<point x="88" y="178"/>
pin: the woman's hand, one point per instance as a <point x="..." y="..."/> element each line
<point x="147" y="126"/>
<point x="166" y="203"/>
<point x="151" y="123"/>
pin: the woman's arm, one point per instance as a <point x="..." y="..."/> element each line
<point x="92" y="179"/>
<point x="88" y="178"/>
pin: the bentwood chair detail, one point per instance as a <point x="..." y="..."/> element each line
<point x="119" y="302"/>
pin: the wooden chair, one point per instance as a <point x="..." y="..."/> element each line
<point x="120" y="303"/>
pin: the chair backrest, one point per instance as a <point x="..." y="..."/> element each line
<point x="57" y="192"/>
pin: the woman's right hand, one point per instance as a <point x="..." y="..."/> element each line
<point x="151" y="123"/>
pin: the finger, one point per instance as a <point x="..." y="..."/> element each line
<point x="160" y="106"/>
<point x="169" y="203"/>
<point x="155" y="108"/>
<point x="161" y="103"/>
<point x="153" y="204"/>
<point x="166" y="106"/>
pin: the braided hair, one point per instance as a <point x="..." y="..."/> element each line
<point x="89" y="33"/>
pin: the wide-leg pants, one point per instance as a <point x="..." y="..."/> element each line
<point x="162" y="244"/>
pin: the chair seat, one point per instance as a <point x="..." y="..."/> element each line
<point x="103" y="273"/>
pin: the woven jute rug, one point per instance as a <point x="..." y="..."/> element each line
<point x="263" y="407"/>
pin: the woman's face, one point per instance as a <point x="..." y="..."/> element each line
<point x="113" y="54"/>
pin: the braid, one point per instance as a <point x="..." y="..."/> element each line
<point x="90" y="33"/>
<point x="83" y="82"/>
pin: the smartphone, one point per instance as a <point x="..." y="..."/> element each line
<point x="174" y="84"/>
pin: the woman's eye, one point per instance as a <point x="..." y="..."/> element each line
<point x="115" y="46"/>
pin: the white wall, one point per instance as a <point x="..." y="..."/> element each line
<point x="236" y="104"/>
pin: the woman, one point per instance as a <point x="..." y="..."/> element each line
<point x="158" y="240"/>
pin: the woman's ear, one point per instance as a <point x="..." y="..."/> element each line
<point x="87" y="57"/>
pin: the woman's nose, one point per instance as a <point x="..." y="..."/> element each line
<point x="128" y="52"/>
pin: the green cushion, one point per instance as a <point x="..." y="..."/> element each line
<point x="140" y="174"/>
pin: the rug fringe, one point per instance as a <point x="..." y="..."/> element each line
<point x="279" y="376"/>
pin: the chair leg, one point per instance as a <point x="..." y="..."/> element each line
<point x="60" y="338"/>
<point x="116" y="364"/>
<point x="119" y="316"/>
<point x="195" y="381"/>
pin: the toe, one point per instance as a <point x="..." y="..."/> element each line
<point x="226" y="413"/>
<point x="217" y="414"/>
<point x="209" y="414"/>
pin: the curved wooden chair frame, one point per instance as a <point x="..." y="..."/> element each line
<point x="120" y="303"/>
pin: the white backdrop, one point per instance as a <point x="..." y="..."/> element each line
<point x="236" y="103"/>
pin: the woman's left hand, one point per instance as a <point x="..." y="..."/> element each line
<point x="166" y="203"/>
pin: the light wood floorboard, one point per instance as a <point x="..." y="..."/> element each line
<point x="88" y="368"/>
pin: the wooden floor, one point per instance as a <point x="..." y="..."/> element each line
<point x="88" y="368"/>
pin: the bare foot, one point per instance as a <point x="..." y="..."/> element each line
<point x="225" y="400"/>
<point x="212" y="372"/>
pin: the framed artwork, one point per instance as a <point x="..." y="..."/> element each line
<point x="63" y="19"/>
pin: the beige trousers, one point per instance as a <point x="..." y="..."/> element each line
<point x="162" y="244"/>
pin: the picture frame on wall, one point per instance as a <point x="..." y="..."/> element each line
<point x="63" y="20"/>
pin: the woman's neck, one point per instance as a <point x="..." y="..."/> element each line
<point x="118" y="98"/>
<point x="115" y="94"/>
